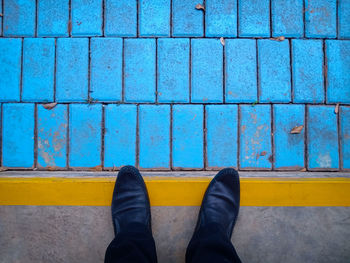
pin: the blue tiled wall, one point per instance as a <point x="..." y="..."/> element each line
<point x="163" y="85"/>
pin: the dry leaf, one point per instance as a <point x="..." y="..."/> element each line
<point x="222" y="40"/>
<point x="303" y="170"/>
<point x="3" y="169"/>
<point x="263" y="153"/>
<point x="50" y="106"/>
<point x="200" y="7"/>
<point x="1" y="14"/>
<point x="336" y="110"/>
<point x="297" y="129"/>
<point x="281" y="38"/>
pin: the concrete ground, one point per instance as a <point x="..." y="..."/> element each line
<point x="262" y="234"/>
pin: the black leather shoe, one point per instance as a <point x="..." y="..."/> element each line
<point x="130" y="202"/>
<point x="220" y="203"/>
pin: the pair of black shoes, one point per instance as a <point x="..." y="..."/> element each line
<point x="220" y="204"/>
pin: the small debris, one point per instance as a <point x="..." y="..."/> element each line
<point x="69" y="27"/>
<point x="50" y="106"/>
<point x="263" y="153"/>
<point x="1" y="15"/>
<point x="336" y="110"/>
<point x="254" y="103"/>
<point x="3" y="169"/>
<point x="200" y="7"/>
<point x="297" y="129"/>
<point x="281" y="38"/>
<point x="222" y="40"/>
<point x="303" y="170"/>
<point x="97" y="168"/>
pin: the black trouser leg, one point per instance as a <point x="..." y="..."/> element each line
<point x="210" y="244"/>
<point x="136" y="244"/>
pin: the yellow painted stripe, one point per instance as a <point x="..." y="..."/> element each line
<point x="175" y="191"/>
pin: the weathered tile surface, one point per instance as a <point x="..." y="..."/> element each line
<point x="19" y="18"/>
<point x="86" y="17"/>
<point x="345" y="136"/>
<point x="154" y="123"/>
<point x="187" y="133"/>
<point x="52" y="136"/>
<point x="18" y="135"/>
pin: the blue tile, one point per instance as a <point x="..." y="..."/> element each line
<point x="240" y="70"/>
<point x="154" y="132"/>
<point x="255" y="137"/>
<point x="344" y="18"/>
<point x="254" y="18"/>
<point x="320" y="18"/>
<point x="221" y="18"/>
<point x="72" y="69"/>
<point x="53" y="18"/>
<point x="345" y="136"/>
<point x="10" y="69"/>
<point x="106" y="69"/>
<point x="338" y="69"/>
<point x="307" y="59"/>
<point x="222" y="124"/>
<point x="38" y="69"/>
<point x="287" y="18"/>
<point x="173" y="70"/>
<point x="322" y="138"/>
<point x="120" y="135"/>
<point x="121" y="18"/>
<point x="206" y="69"/>
<point x="274" y="71"/>
<point x="289" y="148"/>
<point x="154" y="18"/>
<point x="19" y="18"/>
<point x="18" y="135"/>
<point x="52" y="136"/>
<point x="188" y="136"/>
<point x="86" y="17"/>
<point x="187" y="21"/>
<point x="140" y="70"/>
<point x="85" y="135"/>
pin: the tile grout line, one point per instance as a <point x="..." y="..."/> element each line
<point x="223" y="73"/>
<point x="1" y="122"/>
<point x="2" y="18"/>
<point x="238" y="135"/>
<point x="21" y="74"/>
<point x="337" y="18"/>
<point x="171" y="138"/>
<point x="156" y="75"/>
<point x="291" y="70"/>
<point x="137" y="160"/>
<point x="137" y="18"/>
<point x="36" y="18"/>
<point x="205" y="161"/>
<point x="55" y="72"/>
<point x="68" y="137"/>
<point x="257" y="71"/>
<point x="204" y="12"/>
<point x="35" y="135"/>
<point x="103" y="18"/>
<point x="306" y="139"/>
<point x="123" y="70"/>
<point x="325" y="72"/>
<point x="89" y="99"/>
<point x="270" y="14"/>
<point x="340" y="148"/>
<point x="237" y="14"/>
<point x="171" y="18"/>
<point x="70" y="18"/>
<point x="272" y="137"/>
<point x="190" y="72"/>
<point x="103" y="129"/>
<point x="304" y="20"/>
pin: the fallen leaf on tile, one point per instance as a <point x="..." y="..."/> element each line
<point x="303" y="170"/>
<point x="200" y="7"/>
<point x="2" y="169"/>
<point x="336" y="110"/>
<point x="50" y="106"/>
<point x="1" y="14"/>
<point x="222" y="40"/>
<point x="297" y="129"/>
<point x="281" y="38"/>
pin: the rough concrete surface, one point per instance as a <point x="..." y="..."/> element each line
<point x="262" y="234"/>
